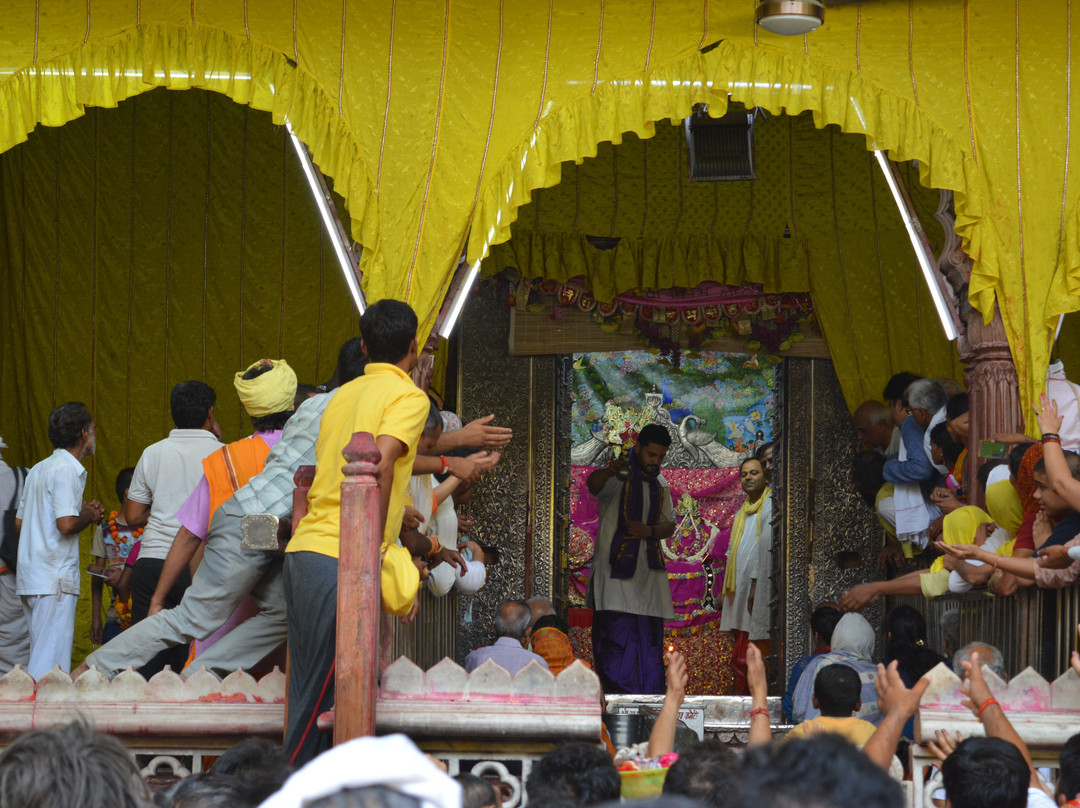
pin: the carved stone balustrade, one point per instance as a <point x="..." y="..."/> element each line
<point x="1044" y="714"/>
<point x="447" y="703"/>
<point x="168" y="706"/>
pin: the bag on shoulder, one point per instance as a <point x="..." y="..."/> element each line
<point x="9" y="540"/>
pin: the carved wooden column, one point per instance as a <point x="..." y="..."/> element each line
<point x="359" y="603"/>
<point x="993" y="387"/>
<point x="425" y="363"/>
<point x="990" y="378"/>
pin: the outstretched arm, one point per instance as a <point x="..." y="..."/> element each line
<point x="180" y="554"/>
<point x="862" y="595"/>
<point x="991" y="714"/>
<point x="1057" y="470"/>
<point x="599" y="478"/>
<point x="662" y="738"/>
<point x="897" y="703"/>
<point x="760" y="722"/>
<point x="478" y="434"/>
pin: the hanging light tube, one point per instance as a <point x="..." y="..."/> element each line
<point x="921" y="251"/>
<point x="337" y="236"/>
<point x="459" y="300"/>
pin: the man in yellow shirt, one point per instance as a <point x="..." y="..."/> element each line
<point x="386" y="403"/>
<point x="837" y="694"/>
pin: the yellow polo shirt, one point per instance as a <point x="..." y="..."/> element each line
<point x="855" y="730"/>
<point x="384" y="401"/>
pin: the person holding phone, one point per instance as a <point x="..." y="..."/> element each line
<point x="109" y="549"/>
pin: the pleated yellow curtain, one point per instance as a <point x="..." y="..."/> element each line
<point x="171" y="238"/>
<point x="437" y="120"/>
<point x="819" y="218"/>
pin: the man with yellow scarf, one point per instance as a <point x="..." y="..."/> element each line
<point x="747" y="575"/>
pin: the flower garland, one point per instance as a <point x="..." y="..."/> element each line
<point x="123" y="612"/>
<point x="122" y="541"/>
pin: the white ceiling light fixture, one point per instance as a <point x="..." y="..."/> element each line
<point x="345" y="255"/>
<point x="923" y="254"/>
<point x="459" y="300"/>
<point x="790" y="17"/>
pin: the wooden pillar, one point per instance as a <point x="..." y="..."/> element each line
<point x="992" y="385"/>
<point x="425" y="363"/>
<point x="990" y="377"/>
<point x="359" y="603"/>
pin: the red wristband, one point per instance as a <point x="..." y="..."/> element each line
<point x="986" y="704"/>
<point x="759" y="711"/>
<point x="445" y="464"/>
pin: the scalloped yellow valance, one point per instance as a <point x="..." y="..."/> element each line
<point x="818" y="218"/>
<point x="436" y="121"/>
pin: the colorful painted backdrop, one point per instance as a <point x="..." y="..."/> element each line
<point x="717" y="408"/>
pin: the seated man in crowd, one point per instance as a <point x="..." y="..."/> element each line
<point x="912" y="472"/>
<point x="512" y="633"/>
<point x="837" y="697"/>
<point x="875" y="429"/>
<point x="823" y="621"/>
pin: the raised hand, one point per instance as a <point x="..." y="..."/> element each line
<point x="1048" y="418"/>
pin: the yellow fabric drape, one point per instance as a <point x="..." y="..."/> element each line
<point x="172" y="238"/>
<point x="441" y="117"/>
<point x="845" y="243"/>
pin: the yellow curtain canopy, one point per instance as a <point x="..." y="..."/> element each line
<point x="818" y="218"/>
<point x="437" y="120"/>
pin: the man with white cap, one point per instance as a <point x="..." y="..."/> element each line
<point x="392" y="762"/>
<point x="266" y="389"/>
<point x="14" y="633"/>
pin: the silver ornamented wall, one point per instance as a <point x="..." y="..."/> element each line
<point x="515" y="505"/>
<point x="829" y="540"/>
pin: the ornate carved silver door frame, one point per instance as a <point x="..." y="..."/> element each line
<point x="522" y="507"/>
<point x="829" y="540"/>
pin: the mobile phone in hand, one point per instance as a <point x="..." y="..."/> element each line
<point x="993" y="449"/>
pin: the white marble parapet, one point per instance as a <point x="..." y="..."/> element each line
<point x="1043" y="713"/>
<point x="447" y="702"/>
<point x="128" y="705"/>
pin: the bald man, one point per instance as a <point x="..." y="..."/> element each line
<point x="874" y="427"/>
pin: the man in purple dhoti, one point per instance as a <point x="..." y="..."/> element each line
<point x="628" y="585"/>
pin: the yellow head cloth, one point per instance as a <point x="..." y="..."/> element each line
<point x="959" y="528"/>
<point x="268" y="393"/>
<point x="1003" y="503"/>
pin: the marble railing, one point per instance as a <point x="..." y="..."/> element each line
<point x="129" y="705"/>
<point x="1043" y="713"/>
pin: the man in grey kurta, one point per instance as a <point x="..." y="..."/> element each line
<point x="628" y="585"/>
